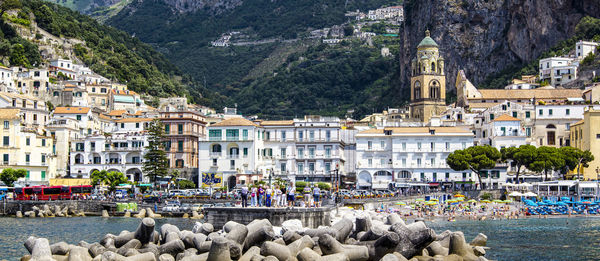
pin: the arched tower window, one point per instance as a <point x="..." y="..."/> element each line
<point x="432" y="67"/>
<point x="434" y="89"/>
<point x="417" y="90"/>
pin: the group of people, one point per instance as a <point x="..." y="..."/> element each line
<point x="280" y="196"/>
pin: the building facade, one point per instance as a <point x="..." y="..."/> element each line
<point x="183" y="131"/>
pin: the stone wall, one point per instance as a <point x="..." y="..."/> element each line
<point x="312" y="217"/>
<point x="88" y="206"/>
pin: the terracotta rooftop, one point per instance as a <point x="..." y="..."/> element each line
<point x="117" y="113"/>
<point x="9" y="114"/>
<point x="506" y="117"/>
<point x="71" y="110"/>
<point x="133" y="120"/>
<point x="235" y="122"/>
<point x="276" y="123"/>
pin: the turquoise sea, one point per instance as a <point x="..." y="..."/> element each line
<point x="525" y="239"/>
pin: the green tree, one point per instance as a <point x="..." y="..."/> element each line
<point x="9" y="176"/>
<point x="520" y="156"/>
<point x="111" y="179"/>
<point x="155" y="159"/>
<point x="17" y="56"/>
<point x="186" y="184"/>
<point x="547" y="159"/>
<point x="475" y="158"/>
<point x="6" y="5"/>
<point x="575" y="158"/>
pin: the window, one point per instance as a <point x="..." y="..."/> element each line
<point x="300" y="153"/>
<point x="78" y="117"/>
<point x="403" y="162"/>
<point x="167" y="128"/>
<point x="214" y="134"/>
<point x="550" y="112"/>
<point x="245" y="152"/>
<point x="447" y="145"/>
<point x="282" y="152"/>
<point x="369" y="145"/>
<point x="6" y="124"/>
<point x="122" y="125"/>
<point x="382" y="144"/>
<point x="327" y="167"/>
<point x="137" y="125"/>
<point x="43" y="175"/>
<point x="43" y="142"/>
<point x="422" y="176"/>
<point x="370" y="162"/>
<point x="300" y="135"/>
<point x="214" y="162"/>
<point x="491" y="116"/>
<point x="180" y="128"/>
<point x="464" y="145"/>
<point x="232" y="164"/>
<point x="597" y="136"/>
<point x="328" y="135"/>
<point x="327" y="152"/>
<point x="403" y="145"/>
<point x="568" y="112"/>
<point x="27" y="158"/>
<point x="434" y="176"/>
<point x="167" y="145"/>
<point x="447" y="175"/>
<point x="418" y="162"/>
<point x="232" y="134"/>
<point x="311" y="167"/>
<point x="311" y="135"/>
<point x="27" y="141"/>
<point x="419" y="145"/>
<point x="283" y="135"/>
<point x="528" y="132"/>
<point x="179" y="163"/>
<point x="432" y="145"/>
<point x="180" y="146"/>
<point x="464" y="175"/>
<point x="514" y="113"/>
<point x="6" y="141"/>
<point x="245" y="134"/>
<point x="432" y="161"/>
<point x="300" y="167"/>
<point x="527" y="114"/>
<point x="568" y="126"/>
<point x="503" y="130"/>
<point x="5" y="159"/>
<point x="311" y="152"/>
<point x="283" y="167"/>
<point x="541" y="112"/>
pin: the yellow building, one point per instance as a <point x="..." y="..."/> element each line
<point x="585" y="135"/>
<point x="428" y="81"/>
<point x="26" y="148"/>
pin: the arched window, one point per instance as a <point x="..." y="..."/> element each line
<point x="432" y="66"/>
<point x="434" y="89"/>
<point x="216" y="148"/>
<point x="417" y="90"/>
<point x="550" y="126"/>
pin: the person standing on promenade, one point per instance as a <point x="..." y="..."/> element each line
<point x="277" y="197"/>
<point x="268" y="194"/>
<point x="306" y="196"/>
<point x="244" y="193"/>
<point x="316" y="196"/>
<point x="290" y="194"/>
<point x="283" y="197"/>
<point x="254" y="195"/>
<point x="261" y="196"/>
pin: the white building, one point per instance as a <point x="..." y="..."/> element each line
<point x="122" y="151"/>
<point x="62" y="63"/>
<point x="7" y="79"/>
<point x="584" y="48"/>
<point x="504" y="131"/>
<point x="410" y="154"/>
<point x="558" y="70"/>
<point x="232" y="152"/>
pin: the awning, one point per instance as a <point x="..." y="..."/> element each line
<point x="575" y="99"/>
<point x="434" y="184"/>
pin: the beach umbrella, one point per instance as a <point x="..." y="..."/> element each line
<point x="434" y="199"/>
<point x="400" y="203"/>
<point x="497" y="201"/>
<point x="430" y="203"/>
<point x="530" y="194"/>
<point x="460" y="199"/>
<point x="472" y="201"/>
<point x="420" y="199"/>
<point x="459" y="196"/>
<point x="565" y="198"/>
<point x="485" y="201"/>
<point x="507" y="201"/>
<point x="560" y="203"/>
<point x="515" y="194"/>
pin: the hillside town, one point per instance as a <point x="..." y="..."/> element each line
<point x="65" y="121"/>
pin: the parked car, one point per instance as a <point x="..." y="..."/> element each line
<point x="207" y="206"/>
<point x="196" y="207"/>
<point x="170" y="208"/>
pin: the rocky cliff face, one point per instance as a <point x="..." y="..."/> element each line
<point x="484" y="37"/>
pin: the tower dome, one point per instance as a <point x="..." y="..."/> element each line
<point x="427" y="41"/>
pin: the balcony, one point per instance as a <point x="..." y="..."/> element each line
<point x="215" y="154"/>
<point x="233" y="156"/>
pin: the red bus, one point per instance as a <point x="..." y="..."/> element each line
<point x="23" y="193"/>
<point x="76" y="192"/>
<point x="47" y="193"/>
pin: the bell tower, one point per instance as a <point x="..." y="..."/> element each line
<point x="428" y="81"/>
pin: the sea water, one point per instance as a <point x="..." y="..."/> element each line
<point x="523" y="239"/>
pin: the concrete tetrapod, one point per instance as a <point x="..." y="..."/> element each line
<point x="330" y="245"/>
<point x="219" y="250"/>
<point x="144" y="231"/>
